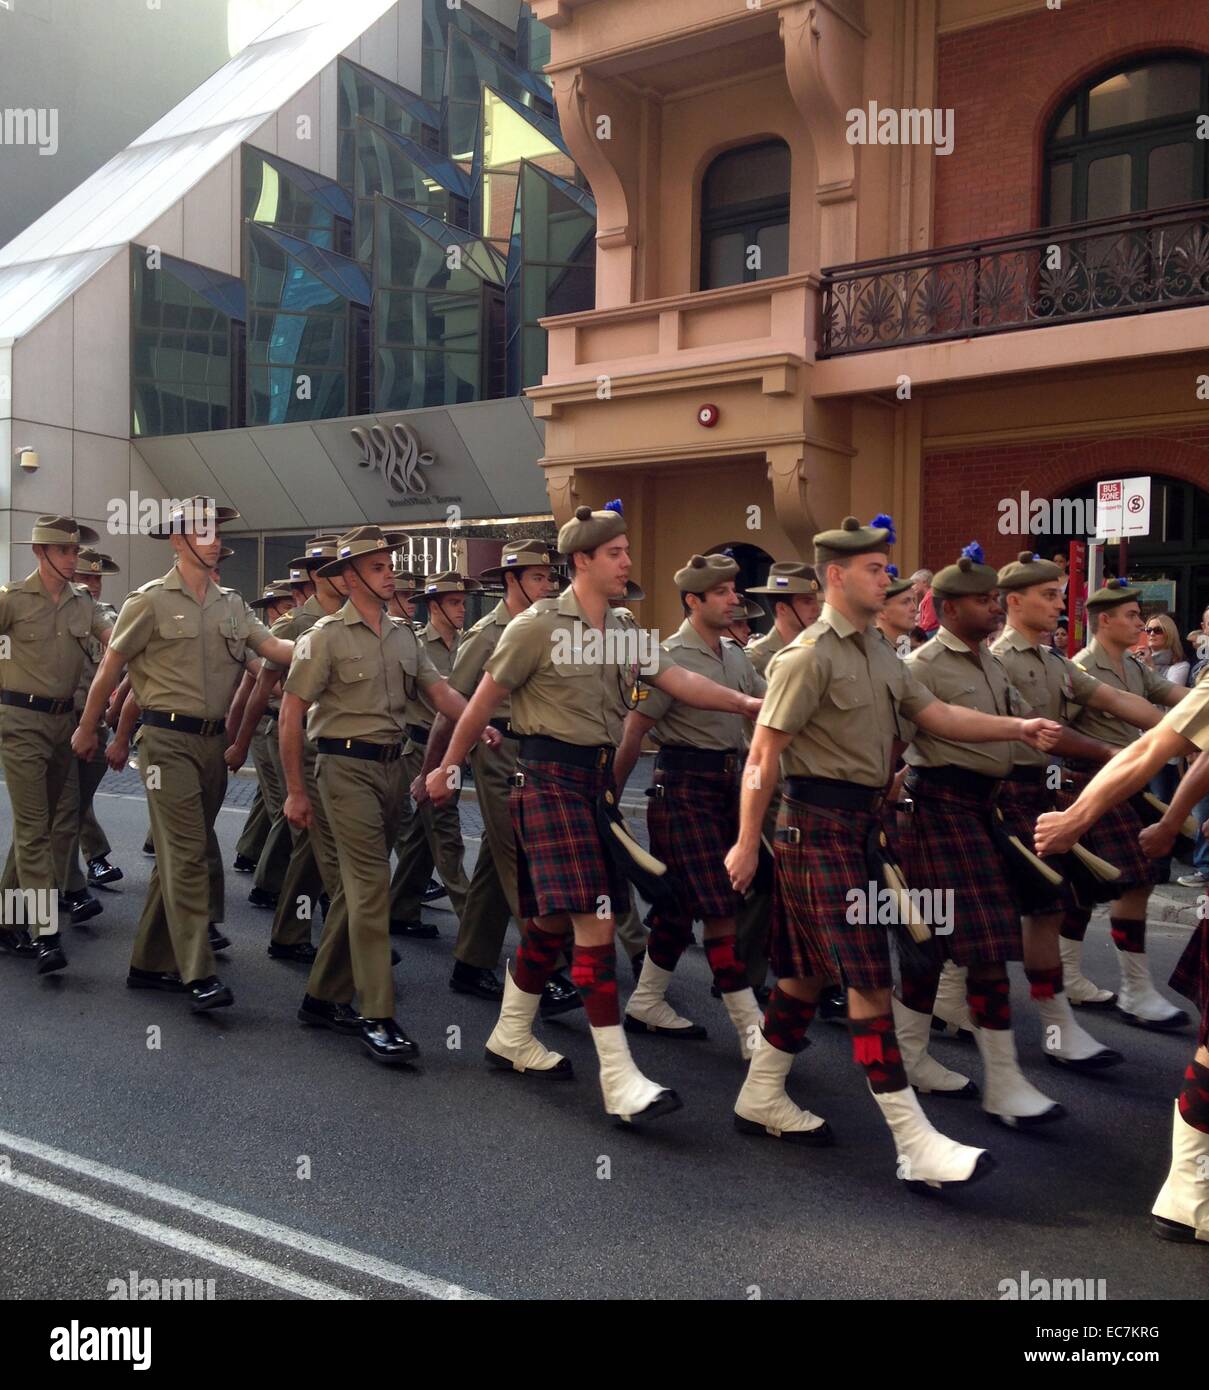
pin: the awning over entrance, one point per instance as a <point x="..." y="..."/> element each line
<point x="400" y="468"/>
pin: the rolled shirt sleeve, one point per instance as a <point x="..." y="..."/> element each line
<point x="518" y="653"/>
<point x="310" y="669"/>
<point x="1191" y="716"/>
<point x="135" y="625"/>
<point x="797" y="678"/>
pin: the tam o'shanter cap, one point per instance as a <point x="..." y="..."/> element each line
<point x="96" y="562"/>
<point x="898" y="585"/>
<point x="515" y="555"/>
<point x="1113" y="594"/>
<point x="851" y="538"/>
<point x="355" y="545"/>
<point x="588" y="529"/>
<point x="1027" y="569"/>
<point x="61" y="530"/>
<point x="192" y="515"/>
<point x="705" y="572"/>
<point x="968" y="576"/>
<point x="788" y="577"/>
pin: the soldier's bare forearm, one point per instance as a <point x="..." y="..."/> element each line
<point x="289" y="743"/>
<point x="258" y="702"/>
<point x="636" y="727"/>
<point x="760" y="776"/>
<point x="129" y="717"/>
<point x="1194" y="787"/>
<point x="474" y="719"/>
<point x="1132" y="708"/>
<point x="438" y="741"/>
<point x="109" y="672"/>
<point x="1127" y="773"/>
<point x="703" y="693"/>
<point x="1089" y="750"/>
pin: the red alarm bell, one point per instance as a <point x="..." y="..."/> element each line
<point x="707" y="415"/>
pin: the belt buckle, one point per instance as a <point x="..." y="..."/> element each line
<point x="348" y="745"/>
<point x="517" y="779"/>
<point x="789" y="835"/>
<point x="602" y="758"/>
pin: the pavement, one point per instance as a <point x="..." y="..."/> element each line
<point x="140" y="1142"/>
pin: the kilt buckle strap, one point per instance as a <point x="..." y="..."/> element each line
<point x="788" y="834"/>
<point x="517" y="779"/>
<point x="656" y="791"/>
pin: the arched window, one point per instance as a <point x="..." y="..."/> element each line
<point x="1127" y="141"/>
<point x="745" y="215"/>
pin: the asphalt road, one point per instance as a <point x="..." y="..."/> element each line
<point x="281" y="1162"/>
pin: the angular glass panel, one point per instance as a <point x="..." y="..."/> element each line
<point x="292" y="199"/>
<point x="394" y="108"/>
<point x="410" y="380"/>
<point x="1144" y="94"/>
<point x="512" y="132"/>
<point x="400" y="169"/>
<point x="1171" y="175"/>
<point x="470" y="67"/>
<point x="275" y="396"/>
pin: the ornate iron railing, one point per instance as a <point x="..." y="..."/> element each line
<point x="1088" y="270"/>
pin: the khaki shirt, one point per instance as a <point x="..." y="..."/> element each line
<point x="1139" y="680"/>
<point x="761" y="650"/>
<point x="1191" y="716"/>
<point x="978" y="681"/>
<point x="358" y="682"/>
<point x="843" y="695"/>
<point x="183" y="656"/>
<point x="472" y="653"/>
<point x="1052" y="686"/>
<point x="419" y="711"/>
<point x="571" y="681"/>
<point x="48" y="641"/>
<point x="681" y="726"/>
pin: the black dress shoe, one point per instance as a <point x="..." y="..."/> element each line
<point x="243" y="865"/>
<point x="210" y="993"/>
<point x="17" y="943"/>
<point x="559" y="996"/>
<point x="417" y="930"/>
<point x="261" y="897"/>
<point x="386" y="1042"/>
<point x="50" y="954"/>
<point x="301" y="951"/>
<point x="149" y="847"/>
<point x="636" y="966"/>
<point x="83" y="906"/>
<point x="320" y="1013"/>
<point x="218" y="942"/>
<point x="395" y="958"/>
<point x="470" y="979"/>
<point x="436" y="889"/>
<point x="167" y="980"/>
<point x="101" y="871"/>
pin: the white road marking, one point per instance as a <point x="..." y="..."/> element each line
<point x="328" y="1250"/>
<point x="221" y="1255"/>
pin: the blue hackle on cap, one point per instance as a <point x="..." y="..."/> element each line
<point x="614" y="506"/>
<point x="1036" y="556"/>
<point x="974" y="551"/>
<point x="885" y="523"/>
<point x="892" y="571"/>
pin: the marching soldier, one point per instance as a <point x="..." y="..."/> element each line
<point x="949" y="843"/>
<point x="76" y="828"/>
<point x="1181" y="1210"/>
<point x="184" y="639"/>
<point x="746" y="611"/>
<point x="45" y="623"/>
<point x="571" y="667"/>
<point x="433" y="835"/>
<point x="306" y="879"/>
<point x="896" y="621"/>
<point x="357" y="671"/>
<point x="527" y="571"/>
<point x="792" y="592"/>
<point x="1114" y="618"/>
<point x="694" y="812"/>
<point x="837" y="698"/>
<point x="1056" y="688"/>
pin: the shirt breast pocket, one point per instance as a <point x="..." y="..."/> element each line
<point x="179" y="626"/>
<point x="847" y="693"/>
<point x="79" y="622"/>
<point x="352" y="670"/>
<point x="31" y="627"/>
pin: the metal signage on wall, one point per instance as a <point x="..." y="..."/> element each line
<point x="396" y="453"/>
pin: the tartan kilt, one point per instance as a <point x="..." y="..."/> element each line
<point x="561" y="864"/>
<point x="1115" y="837"/>
<point x="1021" y="804"/>
<point x="692" y="826"/>
<point x="809" y="931"/>
<point x="1191" y="977"/>
<point x="946" y="843"/>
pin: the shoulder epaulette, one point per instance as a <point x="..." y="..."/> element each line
<point x="543" y="605"/>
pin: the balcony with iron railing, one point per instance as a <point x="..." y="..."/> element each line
<point x="1137" y="264"/>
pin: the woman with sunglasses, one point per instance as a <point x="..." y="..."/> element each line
<point x="1164" y="653"/>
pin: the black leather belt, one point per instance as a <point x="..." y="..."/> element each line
<point x="833" y="795"/>
<point x="537" y="748"/>
<point x="1033" y="774"/>
<point x="418" y="734"/>
<point x="360" y="748"/>
<point x="504" y="726"/>
<point x="42" y="703"/>
<point x="184" y="723"/>
<point x="676" y="759"/>
<point x="958" y="779"/>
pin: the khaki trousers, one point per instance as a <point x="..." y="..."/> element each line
<point x="431" y="836"/>
<point x="75" y="827"/>
<point x="363" y="804"/>
<point x="275" y="855"/>
<point x="185" y="778"/>
<point x="256" y="827"/>
<point x="35" y="750"/>
<point x="491" y="899"/>
<point x="305" y="877"/>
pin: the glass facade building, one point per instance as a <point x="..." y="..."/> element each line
<point x="415" y="278"/>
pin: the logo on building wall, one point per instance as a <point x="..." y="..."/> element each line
<point x="395" y="452"/>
